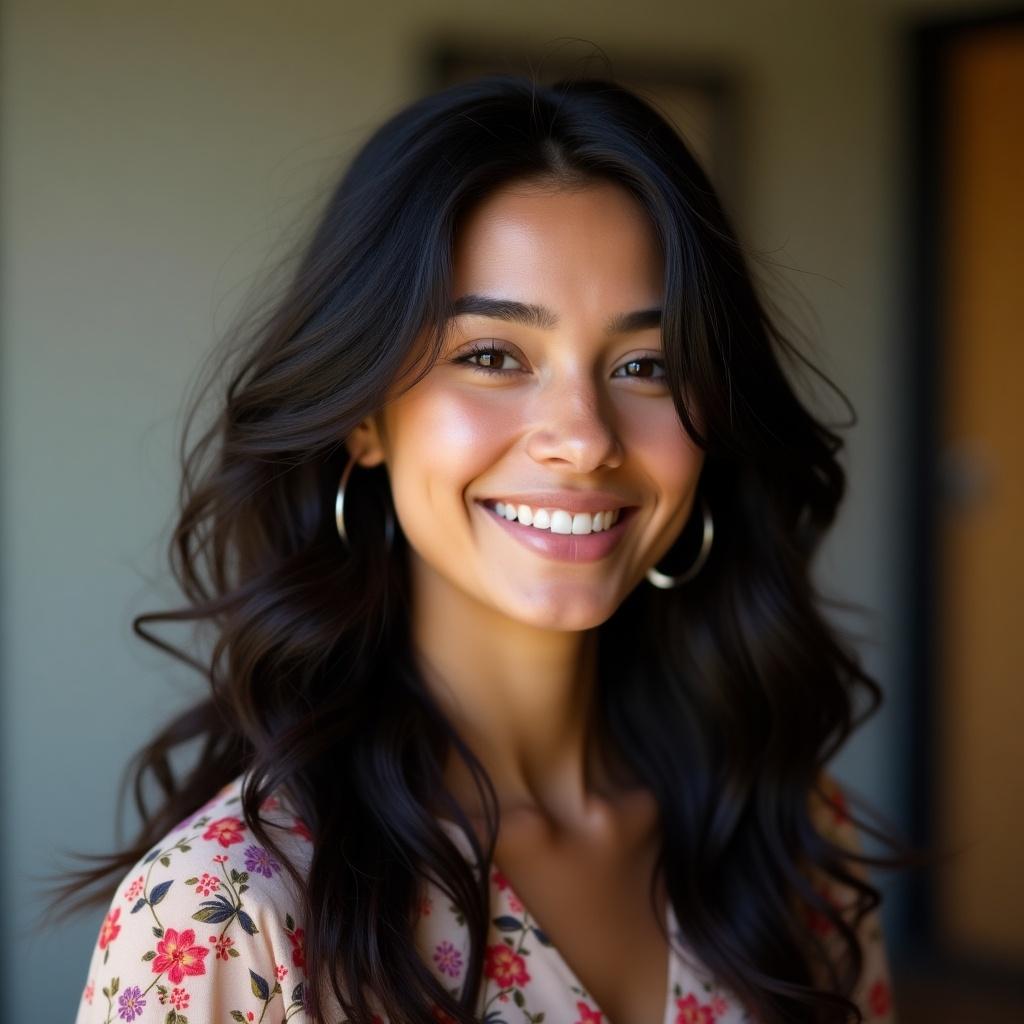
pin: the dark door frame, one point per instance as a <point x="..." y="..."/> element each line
<point x="928" y="184"/>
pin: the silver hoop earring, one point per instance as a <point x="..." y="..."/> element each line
<point x="339" y="510"/>
<point x="664" y="582"/>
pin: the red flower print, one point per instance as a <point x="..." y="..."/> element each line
<point x="817" y="921"/>
<point x="426" y="905"/>
<point x="297" y="939"/>
<point x="178" y="955"/>
<point x="587" y="1015"/>
<point x="503" y="883"/>
<point x="207" y="884"/>
<point x="222" y="946"/>
<point x="505" y="966"/>
<point x="225" y="831"/>
<point x="134" y="891"/>
<point x="719" y="1006"/>
<point x="689" y="1011"/>
<point x="302" y="829"/>
<point x="270" y="804"/>
<point x="179" y="999"/>
<point x="220" y="859"/>
<point x="837" y="799"/>
<point x="880" y="998"/>
<point x="280" y="971"/>
<point x="110" y="929"/>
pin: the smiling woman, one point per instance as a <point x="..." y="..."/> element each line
<point x="521" y="699"/>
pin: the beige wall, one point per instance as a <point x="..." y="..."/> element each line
<point x="151" y="156"/>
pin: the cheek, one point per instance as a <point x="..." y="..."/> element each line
<point x="658" y="442"/>
<point x="440" y="440"/>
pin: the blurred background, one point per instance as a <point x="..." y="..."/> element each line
<point x="154" y="159"/>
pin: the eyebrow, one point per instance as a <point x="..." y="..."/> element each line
<point x="531" y="315"/>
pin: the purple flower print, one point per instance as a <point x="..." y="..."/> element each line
<point x="257" y="859"/>
<point x="130" y="1003"/>
<point x="448" y="959"/>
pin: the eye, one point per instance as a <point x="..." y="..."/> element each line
<point x="493" y="356"/>
<point x="642" y="369"/>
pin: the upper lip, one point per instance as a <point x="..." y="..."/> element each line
<point x="570" y="501"/>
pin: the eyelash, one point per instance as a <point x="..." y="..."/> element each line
<point x="493" y="347"/>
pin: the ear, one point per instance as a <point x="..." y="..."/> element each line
<point x="365" y="442"/>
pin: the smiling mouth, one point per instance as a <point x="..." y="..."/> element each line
<point x="557" y="520"/>
<point x="565" y="547"/>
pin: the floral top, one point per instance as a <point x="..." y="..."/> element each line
<point x="204" y="929"/>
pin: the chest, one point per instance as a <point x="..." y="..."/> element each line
<point x="593" y="901"/>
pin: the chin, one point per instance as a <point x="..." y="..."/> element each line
<point x="555" y="609"/>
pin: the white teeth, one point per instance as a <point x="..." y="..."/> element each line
<point x="582" y="522"/>
<point x="558" y="520"/>
<point x="561" y="521"/>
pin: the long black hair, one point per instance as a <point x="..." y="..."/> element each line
<point x="726" y="697"/>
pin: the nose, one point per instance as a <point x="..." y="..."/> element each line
<point x="575" y="427"/>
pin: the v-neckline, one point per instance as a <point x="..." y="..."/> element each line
<point x="667" y="1015"/>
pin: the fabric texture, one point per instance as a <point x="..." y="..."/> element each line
<point x="205" y="929"/>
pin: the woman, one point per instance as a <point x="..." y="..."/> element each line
<point x="521" y="694"/>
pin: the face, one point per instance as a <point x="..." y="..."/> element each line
<point x="559" y="415"/>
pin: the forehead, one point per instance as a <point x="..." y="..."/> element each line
<point x="536" y="239"/>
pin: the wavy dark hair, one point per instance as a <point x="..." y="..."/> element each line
<point x="727" y="697"/>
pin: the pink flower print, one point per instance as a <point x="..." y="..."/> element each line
<point x="302" y="829"/>
<point x="270" y="804"/>
<point x="505" y="966"/>
<point x="587" y="1015"/>
<point x="514" y="903"/>
<point x="225" y="831"/>
<point x="448" y="959"/>
<point x="179" y="998"/>
<point x="90" y="991"/>
<point x="110" y="929"/>
<point x="134" y="891"/>
<point x="880" y="998"/>
<point x="179" y="956"/>
<point x="719" y="1006"/>
<point x="499" y="879"/>
<point x="220" y="858"/>
<point x="207" y="884"/>
<point x="690" y="1011"/>
<point x="280" y="972"/>
<point x="222" y="946"/>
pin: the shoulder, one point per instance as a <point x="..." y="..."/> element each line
<point x="205" y="925"/>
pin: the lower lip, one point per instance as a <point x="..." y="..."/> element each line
<point x="564" y="547"/>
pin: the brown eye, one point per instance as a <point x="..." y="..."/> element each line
<point x="643" y="369"/>
<point x="489" y="358"/>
